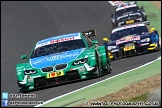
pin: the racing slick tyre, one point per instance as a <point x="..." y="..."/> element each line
<point x="98" y="66"/>
<point x="98" y="71"/>
<point x="108" y="68"/>
<point x="158" y="47"/>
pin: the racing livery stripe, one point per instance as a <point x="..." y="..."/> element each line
<point x="58" y="37"/>
<point x="57" y="41"/>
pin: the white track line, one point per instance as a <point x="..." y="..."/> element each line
<point x="159" y="58"/>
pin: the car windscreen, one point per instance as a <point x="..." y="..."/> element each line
<point x="58" y="47"/>
<point x="123" y="11"/>
<point x="129" y="31"/>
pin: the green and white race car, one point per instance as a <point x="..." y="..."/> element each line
<point x="61" y="59"/>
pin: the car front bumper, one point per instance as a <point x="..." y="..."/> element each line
<point x="143" y="48"/>
<point x="70" y="76"/>
<point x="134" y="21"/>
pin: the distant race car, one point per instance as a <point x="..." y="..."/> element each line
<point x="128" y="13"/>
<point x="130" y="40"/>
<point x="61" y="59"/>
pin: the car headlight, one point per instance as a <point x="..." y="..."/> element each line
<point x="145" y="40"/>
<point x="81" y="61"/>
<point x="111" y="47"/>
<point x="29" y="72"/>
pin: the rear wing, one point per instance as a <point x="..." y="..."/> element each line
<point x="90" y="33"/>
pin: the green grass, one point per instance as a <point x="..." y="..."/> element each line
<point x="142" y="97"/>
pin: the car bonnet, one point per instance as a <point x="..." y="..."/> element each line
<point x="59" y="58"/>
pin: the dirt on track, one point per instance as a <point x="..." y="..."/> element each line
<point x="151" y="86"/>
<point x="157" y="4"/>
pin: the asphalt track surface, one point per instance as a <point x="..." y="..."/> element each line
<point x="23" y="23"/>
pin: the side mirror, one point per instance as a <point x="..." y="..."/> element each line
<point x="106" y="39"/>
<point x="142" y="8"/>
<point x="95" y="42"/>
<point x="152" y="29"/>
<point x="146" y="22"/>
<point x="23" y="57"/>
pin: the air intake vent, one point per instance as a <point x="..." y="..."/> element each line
<point x="60" y="66"/>
<point x="47" y="69"/>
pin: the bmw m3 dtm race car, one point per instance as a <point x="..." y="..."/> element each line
<point x="130" y="40"/>
<point x="61" y="59"/>
<point x="128" y="13"/>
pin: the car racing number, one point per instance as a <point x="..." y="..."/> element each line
<point x="130" y="21"/>
<point x="129" y="47"/>
<point x="55" y="74"/>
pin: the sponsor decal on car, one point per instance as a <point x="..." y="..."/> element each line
<point x="55" y="57"/>
<point x="129" y="21"/>
<point x="62" y="40"/>
<point x="127" y="39"/>
<point x="31" y="87"/>
<point x="126" y="7"/>
<point x="37" y="62"/>
<point x="129" y="46"/>
<point x="20" y="67"/>
<point x="31" y="77"/>
<point x="114" y="50"/>
<point x="113" y="3"/>
<point x="144" y="44"/>
<point x="127" y="26"/>
<point x="57" y="41"/>
<point x="93" y="58"/>
<point x="30" y="80"/>
<point x="18" y="73"/>
<point x="19" y="70"/>
<point x="77" y="67"/>
<point x="55" y="74"/>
